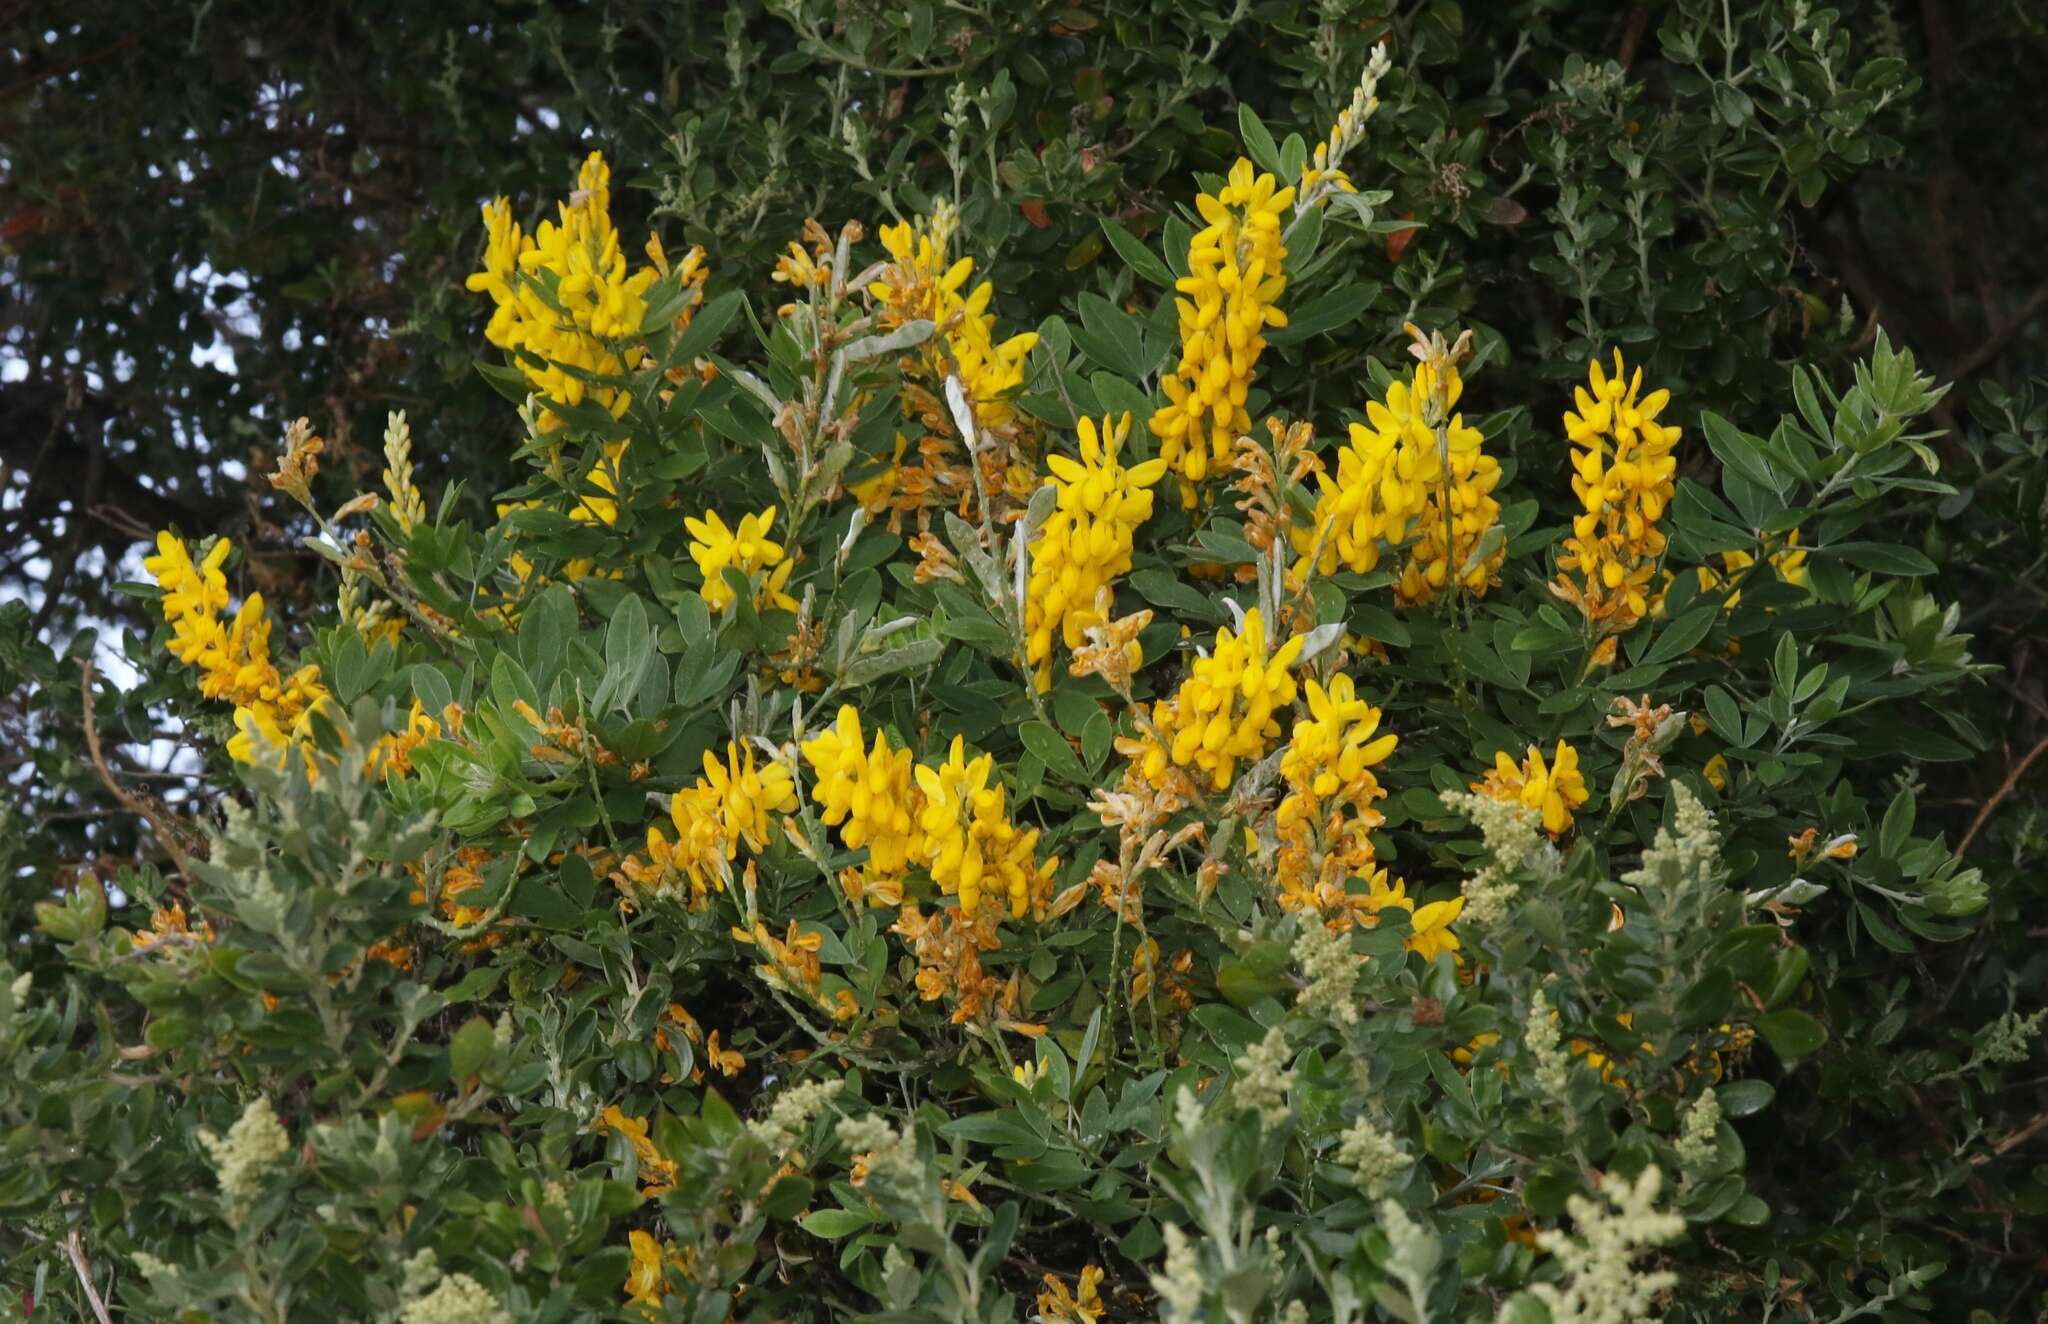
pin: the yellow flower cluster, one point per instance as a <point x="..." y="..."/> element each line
<point x="969" y="841"/>
<point x="728" y="805"/>
<point x="747" y="549"/>
<point x="1381" y="484"/>
<point x="925" y="282"/>
<point x="1232" y="294"/>
<point x="867" y="793"/>
<point x="1392" y="477"/>
<point x="1086" y="542"/>
<point x="1624" y="474"/>
<point x="1330" y="757"/>
<point x="1458" y="478"/>
<point x="647" y="1278"/>
<point x="949" y="818"/>
<point x="1325" y="821"/>
<point x="657" y="1170"/>
<point x="563" y="293"/>
<point x="1552" y="789"/>
<point x="1783" y="554"/>
<point x="1224" y="710"/>
<point x="233" y="659"/>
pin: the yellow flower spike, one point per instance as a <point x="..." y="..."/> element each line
<point x="867" y="794"/>
<point x="970" y="844"/>
<point x="233" y="660"/>
<point x="925" y="282"/>
<point x="564" y="294"/>
<point x="1223" y="711"/>
<point x="1086" y="542"/>
<point x="1391" y="483"/>
<point x="1232" y="289"/>
<point x="1624" y="475"/>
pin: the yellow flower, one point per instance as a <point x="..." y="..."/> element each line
<point x="746" y="794"/>
<point x="749" y="550"/>
<point x="563" y="294"/>
<point x="233" y="661"/>
<point x="1332" y="752"/>
<point x="647" y="1278"/>
<point x="1086" y="542"/>
<point x="194" y="595"/>
<point x="1716" y="772"/>
<point x="1552" y="790"/>
<point x="657" y="1171"/>
<point x="970" y="843"/>
<point x="1430" y="931"/>
<point x="1783" y="554"/>
<point x="394" y="752"/>
<point x="1224" y="710"/>
<point x="866" y="793"/>
<point x="922" y="282"/>
<point x="1624" y="475"/>
<point x="1391" y="479"/>
<point x="1084" y="1305"/>
<point x="1231" y="295"/>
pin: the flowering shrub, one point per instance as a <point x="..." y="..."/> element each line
<point x="838" y="844"/>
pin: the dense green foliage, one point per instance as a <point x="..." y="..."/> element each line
<point x="1736" y="196"/>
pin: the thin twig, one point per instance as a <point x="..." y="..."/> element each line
<point x="2034" y="1127"/>
<point x="2011" y="780"/>
<point x="74" y="1248"/>
<point x="166" y="831"/>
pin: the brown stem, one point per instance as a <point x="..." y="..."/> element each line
<point x="166" y="830"/>
<point x="2011" y="780"/>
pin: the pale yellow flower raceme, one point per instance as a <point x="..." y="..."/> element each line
<point x="1086" y="542"/>
<point x="1230" y="295"/>
<point x="1624" y="474"/>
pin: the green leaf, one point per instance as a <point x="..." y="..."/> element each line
<point x="1136" y="256"/>
<point x="1683" y="634"/>
<point x="832" y="1224"/>
<point x="1738" y="450"/>
<point x="1257" y="140"/>
<point x="1791" y="1032"/>
<point x="1744" y="1098"/>
<point x="470" y="1049"/>
<point x="911" y="656"/>
<point x="1883" y="557"/>
<point x="1053" y="751"/>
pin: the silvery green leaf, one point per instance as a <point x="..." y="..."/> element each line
<point x="890" y="342"/>
<point x="963" y="413"/>
<point x="1795" y="893"/>
<point x="1320" y="640"/>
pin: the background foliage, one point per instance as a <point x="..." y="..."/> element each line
<point x="1724" y="192"/>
